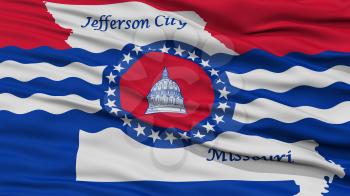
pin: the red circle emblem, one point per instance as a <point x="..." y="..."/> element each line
<point x="195" y="86"/>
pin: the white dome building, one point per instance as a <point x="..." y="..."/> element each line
<point x="165" y="96"/>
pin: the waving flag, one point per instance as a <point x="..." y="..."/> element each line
<point x="171" y="98"/>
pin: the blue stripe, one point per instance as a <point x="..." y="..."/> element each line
<point x="71" y="120"/>
<point x="53" y="187"/>
<point x="59" y="57"/>
<point x="305" y="129"/>
<point x="254" y="59"/>
<point x="300" y="96"/>
<point x="50" y="87"/>
<point x="258" y="59"/>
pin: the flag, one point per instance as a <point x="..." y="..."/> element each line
<point x="153" y="98"/>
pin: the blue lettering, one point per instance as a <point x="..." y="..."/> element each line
<point x="94" y="24"/>
<point x="88" y="22"/>
<point x="256" y="158"/>
<point x="217" y="155"/>
<point x="128" y="25"/>
<point x="182" y="25"/>
<point x="235" y="157"/>
<point x="106" y="22"/>
<point x="222" y="156"/>
<point x="103" y="22"/>
<point x="245" y="158"/>
<point x="144" y="23"/>
<point x="279" y="157"/>
<point x="156" y="21"/>
<point x="113" y="23"/>
<point x="289" y="157"/>
<point x="135" y="24"/>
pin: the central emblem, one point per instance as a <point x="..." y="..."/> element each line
<point x="165" y="96"/>
<point x="168" y="95"/>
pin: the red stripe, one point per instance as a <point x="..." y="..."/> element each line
<point x="277" y="26"/>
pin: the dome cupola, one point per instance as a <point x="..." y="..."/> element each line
<point x="165" y="96"/>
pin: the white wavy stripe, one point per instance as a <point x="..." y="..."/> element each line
<point x="291" y="78"/>
<point x="50" y="104"/>
<point x="265" y="108"/>
<point x="27" y="72"/>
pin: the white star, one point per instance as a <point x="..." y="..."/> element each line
<point x="178" y="51"/>
<point x="224" y="93"/>
<point x="198" y="135"/>
<point x="218" y="119"/>
<point x="127" y="58"/>
<point x="223" y="106"/>
<point x="118" y="68"/>
<point x="111" y="78"/>
<point x="154" y="136"/>
<point x="170" y="137"/>
<point x="208" y="127"/>
<point x="126" y="121"/>
<point x="218" y="81"/>
<point x="139" y="129"/>
<point x="110" y="92"/>
<point x="110" y="103"/>
<point x="164" y="49"/>
<point x="115" y="111"/>
<point x="214" y="72"/>
<point x="205" y="63"/>
<point x="184" y="136"/>
<point x="137" y="49"/>
<point x="192" y="55"/>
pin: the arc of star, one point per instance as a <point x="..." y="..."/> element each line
<point x="118" y="68"/>
<point x="214" y="72"/>
<point x="179" y="51"/>
<point x="218" y="81"/>
<point x="140" y="130"/>
<point x="111" y="78"/>
<point x="110" y="103"/>
<point x="208" y="127"/>
<point x="127" y="58"/>
<point x="126" y="121"/>
<point x="110" y="92"/>
<point x="192" y="55"/>
<point x="184" y="136"/>
<point x="223" y="106"/>
<point x="154" y="135"/>
<point x="218" y="119"/>
<point x="115" y="110"/>
<point x="164" y="49"/>
<point x="170" y="137"/>
<point x="224" y="93"/>
<point x="137" y="49"/>
<point x="205" y="63"/>
<point x="198" y="135"/>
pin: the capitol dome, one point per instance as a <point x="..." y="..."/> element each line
<point x="165" y="96"/>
